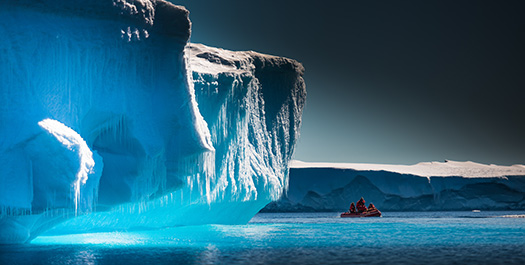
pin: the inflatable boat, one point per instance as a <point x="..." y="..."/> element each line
<point x="370" y="213"/>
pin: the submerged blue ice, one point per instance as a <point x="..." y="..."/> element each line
<point x="110" y="120"/>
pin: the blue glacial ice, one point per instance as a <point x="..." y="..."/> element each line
<point x="110" y="120"/>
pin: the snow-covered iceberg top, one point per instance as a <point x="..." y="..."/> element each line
<point x="426" y="169"/>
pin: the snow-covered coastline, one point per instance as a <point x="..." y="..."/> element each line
<point x="431" y="186"/>
<point x="447" y="168"/>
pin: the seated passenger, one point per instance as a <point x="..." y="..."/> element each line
<point x="371" y="207"/>
<point x="361" y="207"/>
<point x="352" y="207"/>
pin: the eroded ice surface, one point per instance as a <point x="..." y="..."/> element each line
<point x="108" y="120"/>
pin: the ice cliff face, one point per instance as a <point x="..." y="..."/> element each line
<point x="431" y="186"/>
<point x="110" y="120"/>
<point x="253" y="105"/>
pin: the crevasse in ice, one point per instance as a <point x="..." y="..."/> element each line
<point x="110" y="120"/>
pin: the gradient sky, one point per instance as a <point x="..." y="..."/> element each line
<point x="391" y="81"/>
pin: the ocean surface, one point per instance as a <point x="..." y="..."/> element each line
<point x="298" y="238"/>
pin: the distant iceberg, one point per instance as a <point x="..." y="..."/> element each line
<point x="431" y="186"/>
<point x="109" y="120"/>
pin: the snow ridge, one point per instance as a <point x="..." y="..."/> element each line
<point x="448" y="168"/>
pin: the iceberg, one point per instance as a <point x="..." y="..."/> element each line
<point x="110" y="120"/>
<point x="427" y="186"/>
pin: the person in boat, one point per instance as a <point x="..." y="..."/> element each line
<point x="371" y="207"/>
<point x="361" y="206"/>
<point x="352" y="208"/>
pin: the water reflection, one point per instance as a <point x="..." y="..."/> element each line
<point x="210" y="255"/>
<point x="85" y="257"/>
<point x="303" y="239"/>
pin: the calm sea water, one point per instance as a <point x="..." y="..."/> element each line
<point x="298" y="238"/>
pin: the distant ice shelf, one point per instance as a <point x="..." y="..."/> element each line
<point x="111" y="120"/>
<point x="447" y="168"/>
<point x="433" y="186"/>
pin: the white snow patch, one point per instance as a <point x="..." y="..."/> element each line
<point x="73" y="142"/>
<point x="211" y="60"/>
<point x="514" y="216"/>
<point x="426" y="169"/>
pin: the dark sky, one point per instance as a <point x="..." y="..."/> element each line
<point x="391" y="81"/>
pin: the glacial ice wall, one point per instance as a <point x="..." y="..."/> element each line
<point x="253" y="104"/>
<point x="110" y="120"/>
<point x="434" y="186"/>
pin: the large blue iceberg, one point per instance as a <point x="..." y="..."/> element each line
<point x="110" y="119"/>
